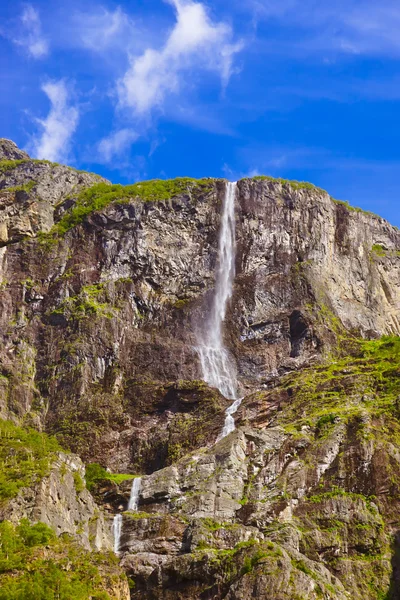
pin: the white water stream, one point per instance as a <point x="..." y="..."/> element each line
<point x="218" y="368"/>
<point x="135" y="492"/>
<point x="117" y="530"/>
<point x="132" y="505"/>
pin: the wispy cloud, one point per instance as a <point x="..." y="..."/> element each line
<point x="195" y="42"/>
<point x="57" y="128"/>
<point x="346" y="26"/>
<point x="101" y="29"/>
<point x="116" y="144"/>
<point x="30" y="35"/>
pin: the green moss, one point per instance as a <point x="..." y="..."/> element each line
<point x="340" y="493"/>
<point x="34" y="564"/>
<point x="180" y="304"/>
<point x="328" y="419"/>
<point x="213" y="525"/>
<point x="301" y="566"/>
<point x="101" y="195"/>
<point x="25" y="458"/>
<point x="85" y="305"/>
<point x="367" y="380"/>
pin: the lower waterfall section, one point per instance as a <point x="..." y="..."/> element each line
<point x="133" y="505"/>
<point x="117" y="530"/>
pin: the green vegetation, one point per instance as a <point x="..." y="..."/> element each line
<point x="268" y="550"/>
<point x="25" y="458"/>
<point x="86" y="304"/>
<point x="27" y="187"/>
<point x="78" y="482"/>
<point x="96" y="473"/>
<point x="381" y="251"/>
<point x="35" y="565"/>
<point x="101" y="195"/>
<point x="367" y="379"/>
<point x="340" y="493"/>
<point x="295" y="185"/>
<point x="354" y="208"/>
<point x="9" y="165"/>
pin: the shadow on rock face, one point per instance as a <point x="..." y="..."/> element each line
<point x="394" y="590"/>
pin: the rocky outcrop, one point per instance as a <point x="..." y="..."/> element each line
<point x="306" y="265"/>
<point x="10" y="151"/>
<point x="308" y="499"/>
<point x="62" y="501"/>
<point x="31" y="192"/>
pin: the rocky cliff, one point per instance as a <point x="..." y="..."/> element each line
<point x="104" y="292"/>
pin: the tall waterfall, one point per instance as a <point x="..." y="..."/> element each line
<point x="218" y="367"/>
<point x="135" y="492"/>
<point x="117" y="530"/>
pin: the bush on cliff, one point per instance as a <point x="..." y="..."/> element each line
<point x="25" y="457"/>
<point x="35" y="565"/>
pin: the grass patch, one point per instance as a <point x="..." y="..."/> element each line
<point x="295" y="185"/>
<point x="354" y="208"/>
<point x="381" y="252"/>
<point x="101" y="195"/>
<point x="96" y="473"/>
<point x="9" y="165"/>
<point x="27" y="187"/>
<point x="25" y="458"/>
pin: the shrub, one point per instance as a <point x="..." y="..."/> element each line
<point x="95" y="473"/>
<point x="61" y="571"/>
<point x="25" y="457"/>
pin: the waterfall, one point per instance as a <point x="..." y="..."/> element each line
<point x="132" y="505"/>
<point x="135" y="491"/>
<point x="117" y="530"/>
<point x="217" y="365"/>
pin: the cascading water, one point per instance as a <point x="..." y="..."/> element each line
<point x="117" y="530"/>
<point x="135" y="492"/>
<point x="218" y="368"/>
<point x="132" y="505"/>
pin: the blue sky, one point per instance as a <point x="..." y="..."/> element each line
<point x="141" y="89"/>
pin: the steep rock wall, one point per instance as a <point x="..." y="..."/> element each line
<point x="97" y="324"/>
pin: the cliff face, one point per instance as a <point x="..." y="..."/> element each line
<point x="103" y="295"/>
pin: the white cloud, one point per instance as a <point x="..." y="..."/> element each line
<point x="116" y="144"/>
<point x="195" y="42"/>
<point x="59" y="125"/>
<point x="101" y="29"/>
<point x="31" y="36"/>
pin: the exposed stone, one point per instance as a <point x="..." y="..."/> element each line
<point x="62" y="501"/>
